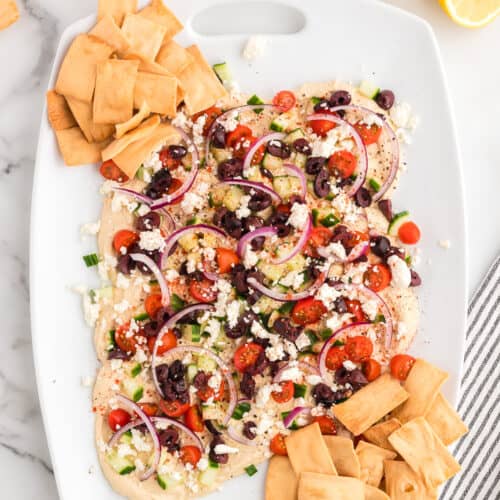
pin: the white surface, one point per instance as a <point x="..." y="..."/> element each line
<point x="27" y="50"/>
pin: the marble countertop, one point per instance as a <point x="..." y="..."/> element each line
<point x="26" y="52"/>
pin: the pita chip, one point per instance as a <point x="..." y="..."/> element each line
<point x="372" y="493"/>
<point x="108" y="31"/>
<point x="158" y="13"/>
<point x="78" y="70"/>
<point x="93" y="132"/>
<point x="75" y="149"/>
<point x="445" y="421"/>
<point x="344" y="457"/>
<point x="371" y="461"/>
<point x="281" y="481"/>
<point x="159" y="91"/>
<point x="114" y="91"/>
<point x="201" y="86"/>
<point x="58" y="111"/>
<point x="144" y="36"/>
<point x="401" y="483"/>
<point x="360" y="412"/>
<point x="379" y="433"/>
<point x="325" y="487"/>
<point x="424" y="452"/>
<point x="423" y="385"/>
<point x="135" y="121"/>
<point x="174" y="57"/>
<point x="9" y="13"/>
<point x="117" y="9"/>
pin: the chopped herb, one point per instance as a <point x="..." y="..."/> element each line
<point x="161" y="482"/>
<point x="286" y="307"/>
<point x="141" y="317"/>
<point x="312" y="336"/>
<point x="299" y="390"/>
<point x="374" y="185"/>
<point x="338" y="343"/>
<point x="408" y="260"/>
<point x="240" y="410"/>
<point x="176" y="303"/>
<point x="326" y="333"/>
<point x="315" y="100"/>
<point x="128" y="433"/>
<point x="212" y="464"/>
<point x="380" y="318"/>
<point x="91" y="260"/>
<point x="127" y="470"/>
<point x="329" y="221"/>
<point x="251" y="470"/>
<point x="138" y="394"/>
<point x="255" y="99"/>
<point x="136" y="370"/>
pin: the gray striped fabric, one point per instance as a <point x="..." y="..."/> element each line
<point x="479" y="451"/>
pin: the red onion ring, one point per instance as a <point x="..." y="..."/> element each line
<point x="288" y="420"/>
<point x="188" y="182"/>
<point x="389" y="324"/>
<point x="235" y="436"/>
<point x="134" y="194"/>
<point x="243" y="242"/>
<point x="287" y="297"/>
<point x="297" y="172"/>
<point x="394" y="143"/>
<point x="255" y="185"/>
<point x="226" y="371"/>
<point x="326" y="347"/>
<point x="133" y="407"/>
<point x="304" y="237"/>
<point x="169" y="225"/>
<point x="251" y="152"/>
<point x="363" y="155"/>
<point x="210" y="275"/>
<point x="183" y="231"/>
<point x="305" y="367"/>
<point x="148" y="261"/>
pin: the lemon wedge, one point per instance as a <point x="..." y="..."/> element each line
<point x="471" y="13"/>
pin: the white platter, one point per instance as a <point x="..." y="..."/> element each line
<point x="342" y="39"/>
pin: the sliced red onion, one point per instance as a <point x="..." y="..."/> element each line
<point x="188" y="182"/>
<point x="183" y="231"/>
<point x="210" y="275"/>
<point x="148" y="261"/>
<point x="297" y="172"/>
<point x="287" y="297"/>
<point x="363" y="155"/>
<point x="392" y="139"/>
<point x="389" y="324"/>
<point x="134" y="194"/>
<point x="226" y="371"/>
<point x="255" y="185"/>
<point x="359" y="250"/>
<point x="243" y="242"/>
<point x="236" y="436"/>
<point x="133" y="407"/>
<point x="169" y="224"/>
<point x="263" y="140"/>
<point x="326" y="347"/>
<point x="305" y="367"/>
<point x="288" y="420"/>
<point x="304" y="238"/>
<point x="239" y="109"/>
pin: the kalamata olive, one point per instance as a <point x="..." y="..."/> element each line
<point x="314" y="164"/>
<point x="235" y="332"/>
<point x="169" y="438"/>
<point x="416" y="280"/>
<point x="342" y="395"/>
<point x="162" y="373"/>
<point x="148" y="222"/>
<point x="218" y="138"/>
<point x="279" y="149"/>
<point x="219" y="214"/>
<point x="322" y="183"/>
<point x="239" y="279"/>
<point x="363" y="198"/>
<point x="340" y="306"/>
<point x="323" y="395"/>
<point x="125" y="264"/>
<point x="342" y="375"/>
<point x="266" y="173"/>
<point x="163" y="315"/>
<point x="218" y="458"/>
<point x="283" y="326"/>
<point x="342" y="183"/>
<point x="232" y="225"/>
<point x="279" y="221"/>
<point x="229" y="169"/>
<point x="340" y="98"/>
<point x="259" y="366"/>
<point x="259" y="201"/>
<point x="159" y="184"/>
<point x="117" y="353"/>
<point x="340" y="234"/>
<point x="151" y="329"/>
<point x="322" y="106"/>
<point x="385" y="207"/>
<point x="385" y="99"/>
<point x="380" y="245"/>
<point x="200" y="380"/>
<point x="361" y="258"/>
<point x="176" y="371"/>
<point x="250" y="430"/>
<point x="357" y="379"/>
<point x="211" y="428"/>
<point x="177" y="152"/>
<point x="302" y="146"/>
<point x="251" y="224"/>
<point x="247" y="386"/>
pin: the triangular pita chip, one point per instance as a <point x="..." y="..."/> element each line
<point x="158" y="13"/>
<point x="372" y="493"/>
<point x="60" y="116"/>
<point x="9" y="13"/>
<point x="281" y="481"/>
<point x="325" y="487"/>
<point x="159" y="91"/>
<point x="118" y="9"/>
<point x="135" y="121"/>
<point x="344" y="457"/>
<point x="379" y="433"/>
<point x="144" y="36"/>
<point x="75" y="149"/>
<point x="174" y="57"/>
<point x="445" y="421"/>
<point x="82" y="111"/>
<point x="401" y="483"/>
<point x="371" y="461"/>
<point x="108" y="31"/>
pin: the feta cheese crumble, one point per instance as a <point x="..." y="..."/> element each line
<point x="298" y="215"/>
<point x="152" y="240"/>
<point x="446" y="244"/>
<point x="401" y="275"/>
<point x="255" y="47"/>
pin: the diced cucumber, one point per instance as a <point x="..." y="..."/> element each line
<point x="166" y="482"/>
<point x="126" y="438"/>
<point x="329" y="221"/>
<point x="272" y="272"/>
<point x="220" y="155"/>
<point x="299" y="390"/>
<point x="208" y="477"/>
<point x="211" y="412"/>
<point x="286" y="308"/>
<point x="137" y="368"/>
<point x="206" y="364"/>
<point x="267" y="305"/>
<point x="299" y="160"/>
<point x="271" y="162"/>
<point x="176" y="303"/>
<point x="111" y="339"/>
<point x="105" y="292"/>
<point x="397" y="221"/>
<point x="232" y="199"/>
<point x="223" y="72"/>
<point x="374" y="184"/>
<point x="144" y="174"/>
<point x="286" y="185"/>
<point x="298" y="133"/>
<point x="192" y="370"/>
<point x="280" y="123"/>
<point x="189" y="242"/>
<point x="121" y="465"/>
<point x="192" y="333"/>
<point x="369" y="89"/>
<point x="133" y="389"/>
<point x="193" y="220"/>
<point x="240" y="411"/>
<point x="254" y="100"/>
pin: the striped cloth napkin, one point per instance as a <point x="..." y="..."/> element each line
<point x="479" y="451"/>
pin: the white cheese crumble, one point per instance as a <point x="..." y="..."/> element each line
<point x="349" y="365"/>
<point x="294" y="279"/>
<point x="251" y="258"/>
<point x="402" y="116"/>
<point x="125" y="450"/>
<point x="243" y="210"/>
<point x="171" y="275"/>
<point x="107" y="187"/>
<point x="298" y="215"/>
<point x="401" y="275"/>
<point x="293" y="373"/>
<point x="182" y="121"/>
<point x="233" y="313"/>
<point x="264" y="424"/>
<point x="255" y="47"/>
<point x="151" y="240"/>
<point x="119" y="201"/>
<point x="446" y="244"/>
<point x="143" y="210"/>
<point x="122" y="306"/>
<point x="90" y="228"/>
<point x="334" y="251"/>
<point x="122" y="281"/>
<point x="222" y="449"/>
<point x="328" y="295"/>
<point x="302" y="341"/>
<point x="140" y="444"/>
<point x="313" y="379"/>
<point x="90" y="311"/>
<point x="191" y="203"/>
<point x="265" y="393"/>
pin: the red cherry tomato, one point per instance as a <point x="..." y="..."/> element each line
<point x="226" y="259"/>
<point x="239" y="135"/>
<point x="354" y="307"/>
<point x="370" y="134"/>
<point x="203" y="290"/>
<point x="326" y="425"/>
<point x="126" y="340"/>
<point x="343" y="163"/>
<point x="401" y="365"/>
<point x="153" y="304"/>
<point x="322" y="127"/>
<point x="150" y="409"/>
<point x="168" y="341"/>
<point x="110" y="170"/>
<point x="212" y="114"/>
<point x="118" y="418"/>
<point x="278" y="445"/>
<point x="335" y="357"/>
<point x="173" y="408"/>
<point x="358" y="348"/>
<point x="307" y="311"/>
<point x="320" y="237"/>
<point x="285" y="393"/>
<point x="124" y="238"/>
<point x="190" y="455"/>
<point x="284" y="100"/>
<point x="207" y="392"/>
<point x="409" y="233"/>
<point x="192" y="418"/>
<point x="371" y="369"/>
<point x="246" y="356"/>
<point x="377" y="277"/>
<point x="167" y="160"/>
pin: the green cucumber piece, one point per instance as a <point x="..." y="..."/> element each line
<point x="369" y="89"/>
<point x="299" y="160"/>
<point x="240" y="411"/>
<point x="208" y="477"/>
<point x="141" y="317"/>
<point x="251" y="470"/>
<point x="374" y="185"/>
<point x="279" y="124"/>
<point x="121" y="465"/>
<point x="232" y="199"/>
<point x="298" y="133"/>
<point x="299" y="390"/>
<point x="192" y="370"/>
<point x="176" y="303"/>
<point x="271" y="162"/>
<point x="133" y="389"/>
<point x="220" y="155"/>
<point x="136" y="370"/>
<point x="191" y="332"/>
<point x="329" y="221"/>
<point x="91" y="260"/>
<point x="126" y="438"/>
<point x="286" y="308"/>
<point x="397" y="221"/>
<point x="206" y="364"/>
<point x="223" y="72"/>
<point x="165" y="481"/>
<point x="286" y="185"/>
<point x="255" y="100"/>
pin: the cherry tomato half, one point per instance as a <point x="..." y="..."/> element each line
<point x="124" y="238"/>
<point x="320" y="237"/>
<point x="285" y="393"/>
<point x="168" y="341"/>
<point x="203" y="290"/>
<point x="239" y="135"/>
<point x="246" y="356"/>
<point x="322" y="127"/>
<point x="335" y="357"/>
<point x="371" y="369"/>
<point x="207" y="392"/>
<point x="173" y="408"/>
<point x="370" y="134"/>
<point x="118" y="418"/>
<point x="307" y="311"/>
<point x="226" y="259"/>
<point x="190" y="455"/>
<point x="354" y="308"/>
<point x="284" y="100"/>
<point x="110" y="170"/>
<point x="401" y="365"/>
<point x="326" y="425"/>
<point x="212" y="114"/>
<point x="150" y="409"/>
<point x="126" y="340"/>
<point x="192" y="418"/>
<point x="343" y="163"/>
<point x="377" y="277"/>
<point x="278" y="445"/>
<point x="358" y="348"/>
<point x="153" y="304"/>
